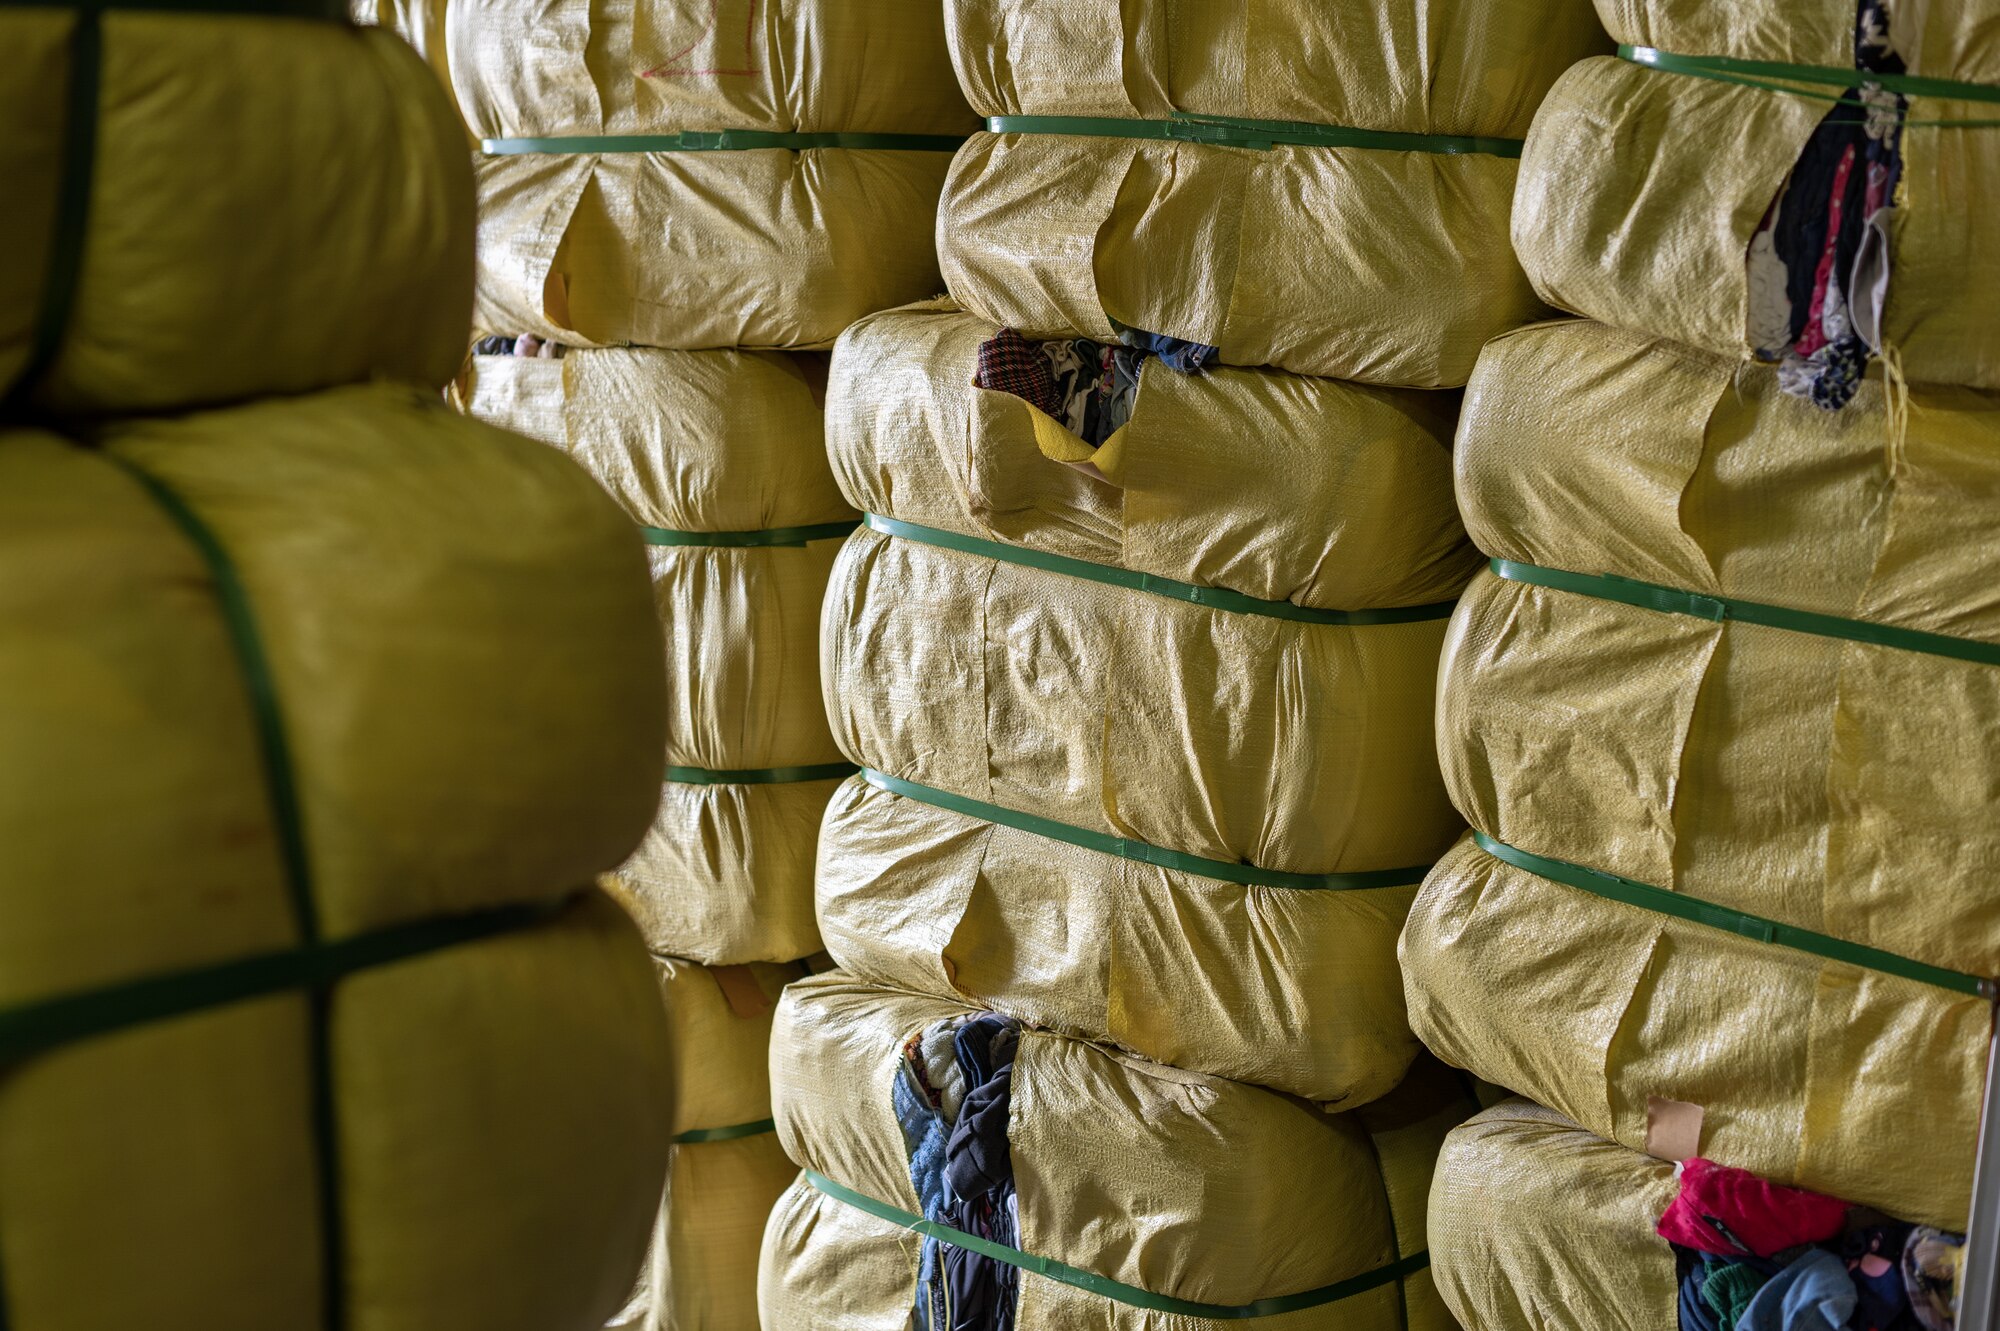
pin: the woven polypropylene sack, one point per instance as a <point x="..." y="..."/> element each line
<point x="358" y="718"/>
<point x="1756" y="768"/>
<point x="761" y="247"/>
<point x="701" y="1268"/>
<point x="1640" y="192"/>
<point x="661" y="66"/>
<point x="1266" y="483"/>
<point x="1536" y="1225"/>
<point x="1439" y="66"/>
<point x="213" y="268"/>
<point x="1178" y="1184"/>
<point x="729" y="443"/>
<point x="1939" y="40"/>
<point x="1386" y="267"/>
<point x="1303" y="748"/>
<point x="752" y="248"/>
<point x="421" y="23"/>
<point x="728" y="1167"/>
<point x="1314" y="491"/>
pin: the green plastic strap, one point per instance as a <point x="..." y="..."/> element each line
<point x="70" y="221"/>
<point x="722" y="140"/>
<point x="261" y="686"/>
<point x="759" y="776"/>
<point x="786" y="536"/>
<point x="1710" y="66"/>
<point x="1144" y="852"/>
<point x="728" y="1134"/>
<point x="1754" y="927"/>
<point x="1117" y="1290"/>
<point x="38" y="1027"/>
<point x="1674" y="601"/>
<point x="1215" y="598"/>
<point x="1766" y="75"/>
<point x="1240" y="132"/>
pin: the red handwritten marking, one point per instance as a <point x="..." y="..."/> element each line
<point x="749" y="48"/>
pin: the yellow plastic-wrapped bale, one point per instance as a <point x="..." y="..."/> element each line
<point x="421" y="23"/>
<point x="1254" y="483"/>
<point x="728" y="1166"/>
<point x="1641" y="191"/>
<point x="735" y="174"/>
<point x="1535" y="1225"/>
<point x="1438" y="67"/>
<point x="1148" y="1196"/>
<point x="718" y="455"/>
<point x="1757" y="771"/>
<point x="206" y="266"/>
<point x="300" y="1022"/>
<point x="1305" y="186"/>
<point x="1950" y="41"/>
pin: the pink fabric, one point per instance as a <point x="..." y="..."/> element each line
<point x="1766" y="1217"/>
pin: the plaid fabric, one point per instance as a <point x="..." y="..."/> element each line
<point x="1009" y="363"/>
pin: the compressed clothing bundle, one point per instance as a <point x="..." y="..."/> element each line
<point x="952" y="668"/>
<point x="157" y="257"/>
<point x="1122" y="1192"/>
<point x="1536" y="1225"/>
<point x="1682" y="713"/>
<point x="1308" y="186"/>
<point x="727" y="1166"/>
<point x="686" y="176"/>
<point x="718" y="457"/>
<point x="1940" y="40"/>
<point x="299" y="1009"/>
<point x="1730" y="190"/>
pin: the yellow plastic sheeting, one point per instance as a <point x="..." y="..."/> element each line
<point x="1181" y="1184"/>
<point x="1538" y="1226"/>
<point x="1442" y="66"/>
<point x="214" y="268"/>
<point x="500" y="1134"/>
<point x="1936" y="38"/>
<point x="1299" y="747"/>
<point x="1640" y="192"/>
<point x="421" y="23"/>
<point x="469" y="723"/>
<point x="701" y="1269"/>
<point x="757" y="248"/>
<point x="720" y="1031"/>
<point x="460" y="640"/>
<point x="1752" y="767"/>
<point x="1296" y="990"/>
<point x="727" y="442"/>
<point x="663" y="66"/>
<point x="1378" y="266"/>
<point x="1323" y="493"/>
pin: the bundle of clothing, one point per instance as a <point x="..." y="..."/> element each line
<point x="1819" y="262"/>
<point x="1755" y="1256"/>
<point x="526" y="345"/>
<point x="1089" y="386"/>
<point x="952" y="1095"/>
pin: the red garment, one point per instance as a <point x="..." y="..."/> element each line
<point x="1009" y="363"/>
<point x="1718" y="1204"/>
<point x="1815" y="336"/>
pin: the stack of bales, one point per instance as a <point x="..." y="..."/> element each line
<point x="1144" y="716"/>
<point x="684" y="205"/>
<point x="1720" y="711"/>
<point x="309" y="1015"/>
